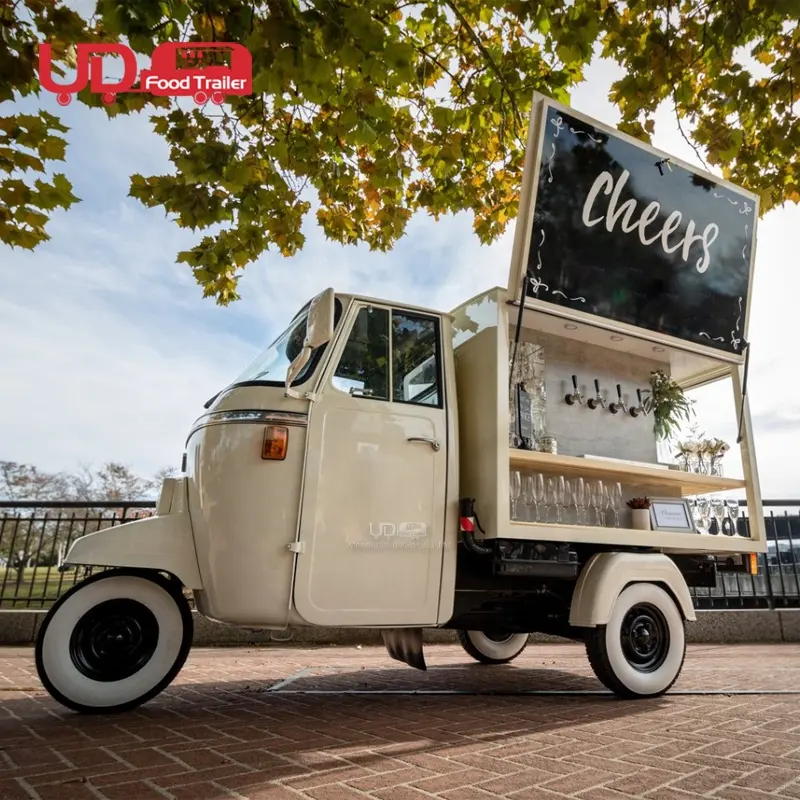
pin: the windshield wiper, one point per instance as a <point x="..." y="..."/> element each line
<point x="209" y="402"/>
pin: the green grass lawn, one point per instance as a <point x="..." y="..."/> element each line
<point x="36" y="587"/>
<point x="39" y="587"/>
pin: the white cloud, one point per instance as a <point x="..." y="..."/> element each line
<point x="108" y="350"/>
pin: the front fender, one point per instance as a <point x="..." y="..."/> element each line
<point x="607" y="574"/>
<point x="164" y="542"/>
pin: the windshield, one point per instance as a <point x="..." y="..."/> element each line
<point x="272" y="365"/>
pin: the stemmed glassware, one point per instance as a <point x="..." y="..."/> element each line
<point x="718" y="509"/>
<point x="516" y="490"/>
<point x="538" y="494"/>
<point x="733" y="513"/>
<point x="550" y="494"/>
<point x="560" y="491"/>
<point x="597" y="500"/>
<point x="704" y="512"/>
<point x="579" y="496"/>
<point x="615" y="495"/>
<point x="528" y="494"/>
<point x="572" y="498"/>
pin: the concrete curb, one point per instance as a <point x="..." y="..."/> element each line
<point x="712" y="627"/>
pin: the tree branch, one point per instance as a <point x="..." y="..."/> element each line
<point x="488" y="56"/>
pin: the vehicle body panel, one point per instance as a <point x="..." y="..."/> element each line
<point x="164" y="542"/>
<point x="607" y="574"/>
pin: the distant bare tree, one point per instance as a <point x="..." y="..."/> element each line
<point x="27" y="535"/>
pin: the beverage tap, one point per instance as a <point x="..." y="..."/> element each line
<point x="598" y="400"/>
<point x="576" y="395"/>
<point x="620" y="406"/>
<point x="640" y="409"/>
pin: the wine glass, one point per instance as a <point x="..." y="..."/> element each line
<point x="571" y="498"/>
<point x="560" y="491"/>
<point x="597" y="501"/>
<point x="528" y="495"/>
<point x="516" y="489"/>
<point x="538" y="494"/>
<point x="579" y="495"/>
<point x="718" y="509"/>
<point x="616" y="502"/>
<point x="704" y="512"/>
<point x="733" y="513"/>
<point x="696" y="515"/>
<point x="550" y="493"/>
<point x="606" y="504"/>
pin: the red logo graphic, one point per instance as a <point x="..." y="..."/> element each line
<point x="164" y="78"/>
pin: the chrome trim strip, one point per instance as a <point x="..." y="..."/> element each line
<point x="250" y="416"/>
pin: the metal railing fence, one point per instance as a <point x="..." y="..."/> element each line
<point x="35" y="535"/>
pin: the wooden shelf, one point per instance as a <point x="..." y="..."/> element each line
<point x="688" y="483"/>
<point x="665" y="541"/>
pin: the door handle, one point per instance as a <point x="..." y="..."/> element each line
<point x="434" y="443"/>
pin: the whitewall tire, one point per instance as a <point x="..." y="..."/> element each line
<point x="114" y="641"/>
<point x="640" y="652"/>
<point x="493" y="648"/>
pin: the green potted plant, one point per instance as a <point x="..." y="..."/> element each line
<point x="640" y="513"/>
<point x="668" y="404"/>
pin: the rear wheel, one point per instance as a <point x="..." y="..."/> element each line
<point x="493" y="647"/>
<point x="640" y="652"/>
<point x="114" y="641"/>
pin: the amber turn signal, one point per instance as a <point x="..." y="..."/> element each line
<point x="276" y="442"/>
<point x="753" y="564"/>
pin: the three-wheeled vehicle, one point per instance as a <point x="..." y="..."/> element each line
<point x="392" y="467"/>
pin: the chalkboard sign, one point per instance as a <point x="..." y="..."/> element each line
<point x="625" y="233"/>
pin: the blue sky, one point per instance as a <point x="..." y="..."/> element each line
<point x="109" y="349"/>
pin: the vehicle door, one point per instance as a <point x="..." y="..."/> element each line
<point x="373" y="510"/>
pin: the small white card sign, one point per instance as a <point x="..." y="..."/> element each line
<point x="671" y="514"/>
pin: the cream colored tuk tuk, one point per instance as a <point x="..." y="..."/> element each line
<point x="398" y="468"/>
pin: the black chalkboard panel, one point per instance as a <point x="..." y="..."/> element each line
<point x="620" y="232"/>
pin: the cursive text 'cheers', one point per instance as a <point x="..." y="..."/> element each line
<point x="605" y="182"/>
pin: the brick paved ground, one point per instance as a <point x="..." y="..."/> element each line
<point x="220" y="732"/>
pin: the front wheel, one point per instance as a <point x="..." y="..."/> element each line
<point x="490" y="647"/>
<point x="114" y="641"/>
<point x="640" y="652"/>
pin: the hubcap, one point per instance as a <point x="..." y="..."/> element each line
<point x="114" y="640"/>
<point x="498" y="637"/>
<point x="645" y="637"/>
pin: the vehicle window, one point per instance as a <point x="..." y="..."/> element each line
<point x="364" y="366"/>
<point x="415" y="359"/>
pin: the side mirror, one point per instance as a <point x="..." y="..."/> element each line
<point x="320" y="321"/>
<point x="319" y="331"/>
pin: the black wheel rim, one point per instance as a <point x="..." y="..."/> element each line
<point x="645" y="637"/>
<point x="114" y="640"/>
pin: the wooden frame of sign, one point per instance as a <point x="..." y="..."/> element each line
<point x="606" y="238"/>
<point x="671" y="514"/>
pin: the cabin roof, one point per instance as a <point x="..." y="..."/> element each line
<point x="394" y="304"/>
